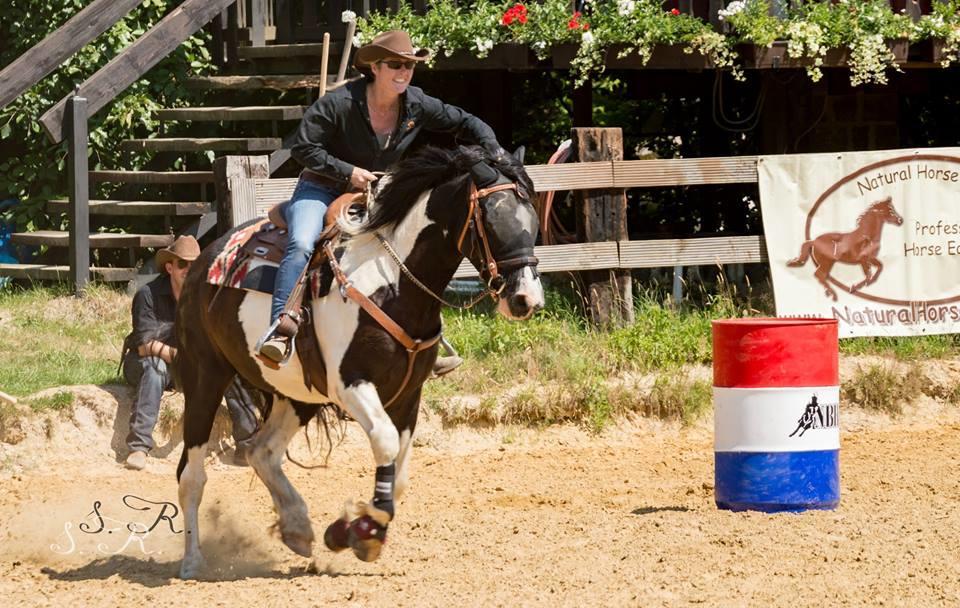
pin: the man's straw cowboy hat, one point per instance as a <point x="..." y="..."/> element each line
<point x="394" y="44"/>
<point x="184" y="248"/>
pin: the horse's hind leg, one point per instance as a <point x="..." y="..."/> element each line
<point x="202" y="397"/>
<point x="266" y="455"/>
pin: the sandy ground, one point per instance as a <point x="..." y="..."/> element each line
<point x="498" y="517"/>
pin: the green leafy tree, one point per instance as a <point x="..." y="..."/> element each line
<point x="31" y="168"/>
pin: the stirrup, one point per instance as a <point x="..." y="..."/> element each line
<point x="266" y="336"/>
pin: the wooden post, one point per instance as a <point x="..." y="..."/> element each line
<point x="225" y="169"/>
<point x="324" y="63"/>
<point x="257" y="22"/>
<point x="583" y="105"/>
<point x="603" y="217"/>
<point x="345" y="51"/>
<point x="79" y="181"/>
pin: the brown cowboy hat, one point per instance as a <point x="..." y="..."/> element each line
<point x="394" y="44"/>
<point x="184" y="248"/>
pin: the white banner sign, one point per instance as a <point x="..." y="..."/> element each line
<point x="871" y="239"/>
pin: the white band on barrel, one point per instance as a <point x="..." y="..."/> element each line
<point x="776" y="419"/>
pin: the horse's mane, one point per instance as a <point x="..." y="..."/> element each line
<point x="428" y="168"/>
<point x="872" y="209"/>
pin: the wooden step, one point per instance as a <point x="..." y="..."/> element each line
<point x="284" y="51"/>
<point x="42" y="272"/>
<point x="227" y="113"/>
<point x="189" y="144"/>
<point x="100" y="240"/>
<point x="161" y="208"/>
<point x="152" y="177"/>
<point x="279" y="82"/>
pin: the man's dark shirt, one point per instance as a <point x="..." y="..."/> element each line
<point x="337" y="127"/>
<point x="154" y="312"/>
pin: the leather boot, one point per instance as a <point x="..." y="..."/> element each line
<point x="275" y="348"/>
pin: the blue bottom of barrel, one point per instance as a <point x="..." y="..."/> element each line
<point x="777" y="481"/>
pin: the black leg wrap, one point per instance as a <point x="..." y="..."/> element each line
<point x="383" y="491"/>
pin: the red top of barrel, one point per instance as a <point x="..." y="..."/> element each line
<point x="766" y="352"/>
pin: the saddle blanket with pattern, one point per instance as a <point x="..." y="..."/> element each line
<point x="234" y="267"/>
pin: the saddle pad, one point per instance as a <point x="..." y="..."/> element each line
<point x="227" y="270"/>
<point x="231" y="269"/>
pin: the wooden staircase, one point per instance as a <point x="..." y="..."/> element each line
<point x="148" y="208"/>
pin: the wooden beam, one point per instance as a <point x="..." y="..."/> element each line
<point x="45" y="56"/>
<point x="685" y="171"/>
<point x="124" y="69"/>
<point x="229" y="113"/>
<point x="79" y="182"/>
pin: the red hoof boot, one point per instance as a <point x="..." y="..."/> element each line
<point x="367" y="538"/>
<point x="337" y="535"/>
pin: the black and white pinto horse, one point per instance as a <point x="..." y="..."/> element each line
<point x="425" y="211"/>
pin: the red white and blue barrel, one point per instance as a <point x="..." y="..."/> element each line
<point x="776" y="393"/>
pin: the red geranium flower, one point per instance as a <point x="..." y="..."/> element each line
<point x="674" y="11"/>
<point x="518" y="12"/>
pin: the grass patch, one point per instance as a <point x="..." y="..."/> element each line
<point x="57" y="402"/>
<point x="904" y="348"/>
<point x="49" y="338"/>
<point x="883" y="388"/>
<point x="677" y="396"/>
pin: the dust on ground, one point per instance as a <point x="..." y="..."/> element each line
<point x="504" y="516"/>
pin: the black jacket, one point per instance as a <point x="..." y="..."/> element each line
<point x="154" y="312"/>
<point x="336" y="134"/>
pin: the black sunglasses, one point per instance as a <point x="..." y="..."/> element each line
<point x="181" y="264"/>
<point x="396" y="65"/>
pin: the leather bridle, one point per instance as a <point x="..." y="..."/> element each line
<point x="492" y="267"/>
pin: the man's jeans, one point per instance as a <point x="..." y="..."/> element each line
<point x="151" y="376"/>
<point x="304" y="216"/>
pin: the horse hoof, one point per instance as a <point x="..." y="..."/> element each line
<point x="190" y="568"/>
<point x="366" y="538"/>
<point x="300" y="545"/>
<point x="337" y="535"/>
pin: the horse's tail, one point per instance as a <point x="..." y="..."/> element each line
<point x="805" y="250"/>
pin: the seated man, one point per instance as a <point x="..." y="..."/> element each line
<point x="150" y="349"/>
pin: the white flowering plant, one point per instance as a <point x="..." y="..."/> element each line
<point x="943" y="26"/>
<point x="864" y="27"/>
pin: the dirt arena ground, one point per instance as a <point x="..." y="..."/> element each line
<point x="499" y="517"/>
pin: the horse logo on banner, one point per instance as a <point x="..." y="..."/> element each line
<point x="859" y="246"/>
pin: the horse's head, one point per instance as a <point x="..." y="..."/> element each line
<point x="885" y="211"/>
<point x="500" y="232"/>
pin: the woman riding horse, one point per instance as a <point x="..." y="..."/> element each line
<point x="365" y="126"/>
<point x="376" y="321"/>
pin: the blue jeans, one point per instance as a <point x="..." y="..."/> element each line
<point x="151" y="376"/>
<point x="304" y="216"/>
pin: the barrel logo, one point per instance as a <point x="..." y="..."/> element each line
<point x="816" y="416"/>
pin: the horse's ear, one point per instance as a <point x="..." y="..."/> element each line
<point x="483" y="174"/>
<point x="518" y="154"/>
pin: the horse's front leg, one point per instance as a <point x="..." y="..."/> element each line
<point x="823" y="274"/>
<point x="876" y="274"/>
<point x="363" y="525"/>
<point x="266" y="456"/>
